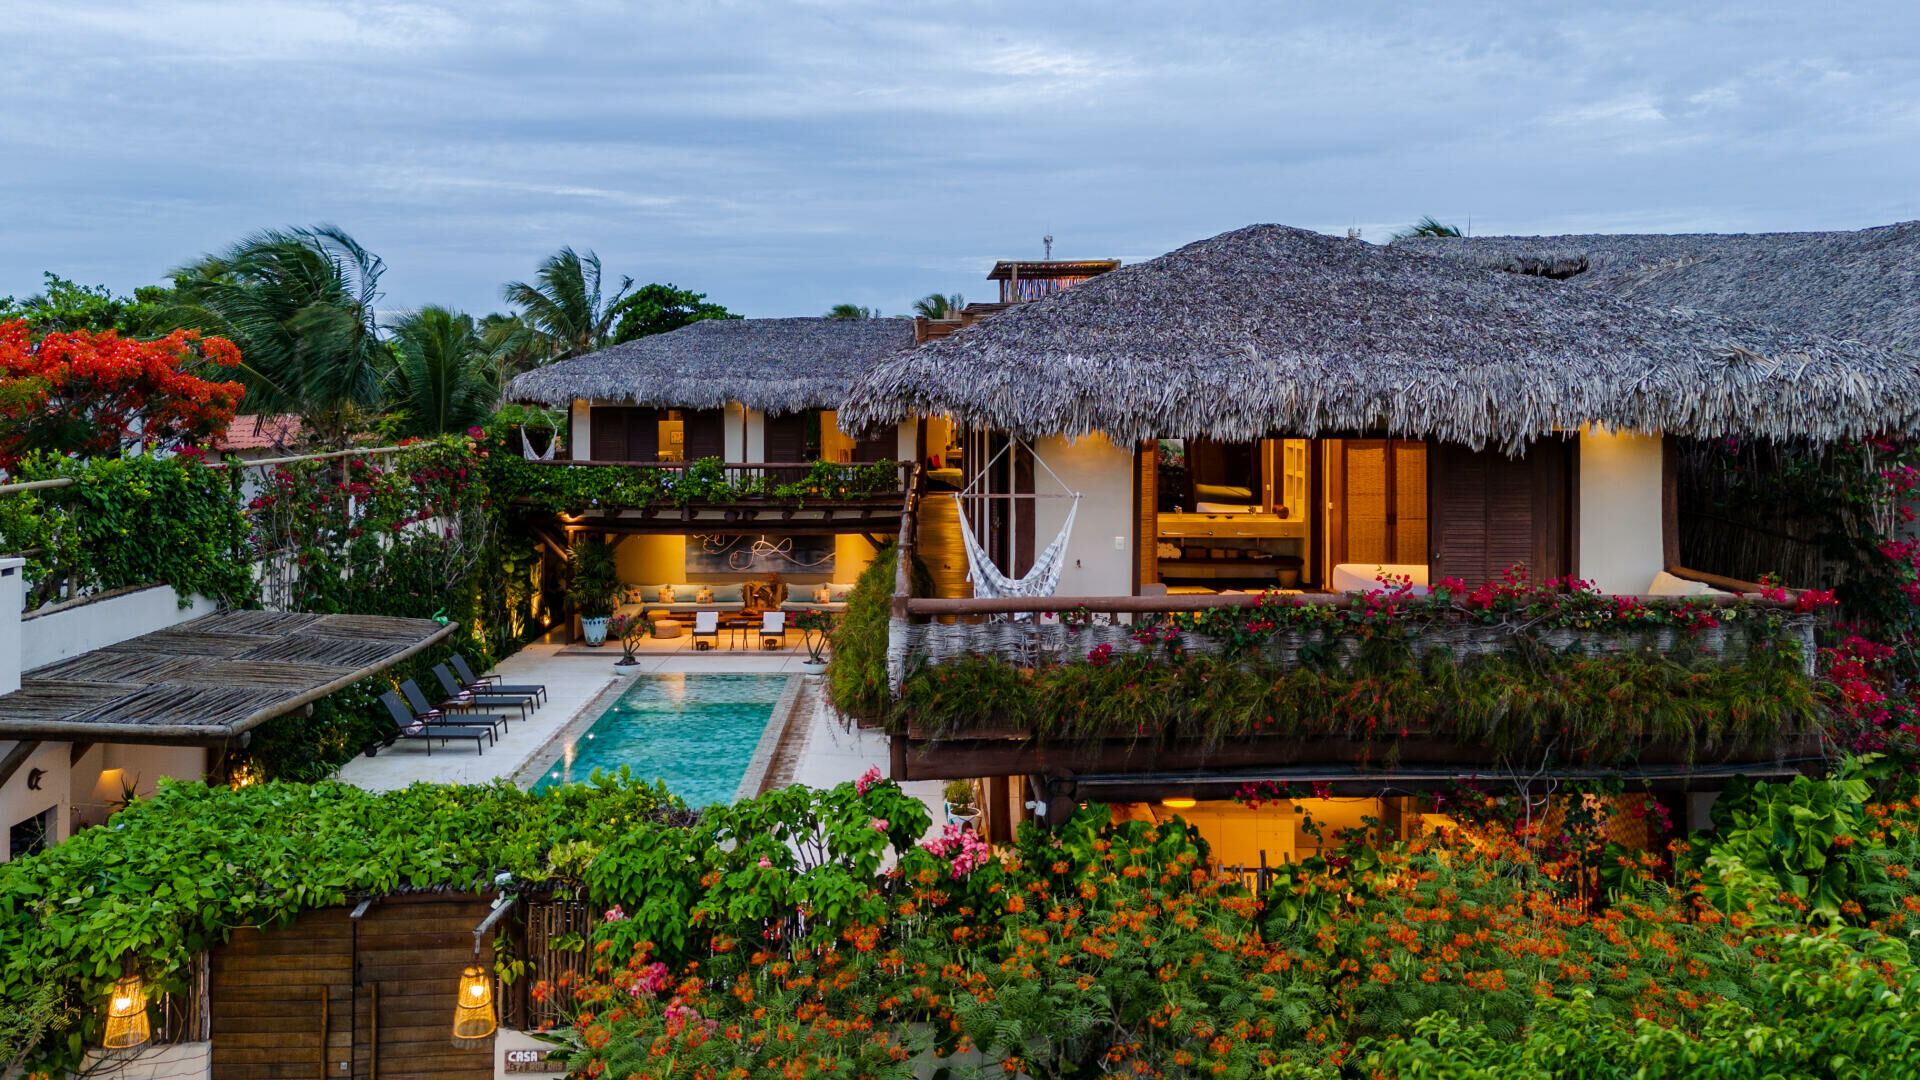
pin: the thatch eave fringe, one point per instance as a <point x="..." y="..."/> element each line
<point x="773" y="365"/>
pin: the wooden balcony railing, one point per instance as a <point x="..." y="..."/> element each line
<point x="757" y="479"/>
<point x="1029" y="633"/>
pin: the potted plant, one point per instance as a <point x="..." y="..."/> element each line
<point x="960" y="808"/>
<point x="815" y="628"/>
<point x="594" y="587"/>
<point x="628" y="630"/>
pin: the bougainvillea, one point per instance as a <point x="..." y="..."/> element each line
<point x="83" y="394"/>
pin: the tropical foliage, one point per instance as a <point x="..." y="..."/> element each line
<point x="444" y="379"/>
<point x="564" y="303"/>
<point x="300" y="304"/>
<point x="851" y="311"/>
<point x="937" y="306"/>
<point x="95" y="395"/>
<point x="130" y="521"/>
<point x="65" y="307"/>
<point x="657" y="309"/>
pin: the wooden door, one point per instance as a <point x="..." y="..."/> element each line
<point x="359" y="999"/>
<point x="623" y="433"/>
<point x="408" y="955"/>
<point x="1382" y="501"/>
<point x="706" y="433"/>
<point x="786" y="438"/>
<point x="1491" y="512"/>
<point x="282" y="1000"/>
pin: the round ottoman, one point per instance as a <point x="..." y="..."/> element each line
<point x="667" y="628"/>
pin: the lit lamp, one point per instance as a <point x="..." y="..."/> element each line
<point x="473" y="1011"/>
<point x="127" y="1015"/>
<point x="1178" y="802"/>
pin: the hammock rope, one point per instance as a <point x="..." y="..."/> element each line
<point x="1043" y="577"/>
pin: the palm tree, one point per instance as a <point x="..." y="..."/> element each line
<point x="1427" y="226"/>
<point x="851" y="311"/>
<point x="935" y="306"/>
<point x="512" y="345"/>
<point x="300" y="305"/>
<point x="443" y="379"/>
<point x="566" y="305"/>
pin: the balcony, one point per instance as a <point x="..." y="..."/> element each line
<point x="1135" y="696"/>
<point x="793" y="498"/>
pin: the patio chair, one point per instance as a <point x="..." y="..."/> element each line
<point x="408" y="726"/>
<point x="706" y="629"/>
<point x="481" y="683"/>
<point x="773" y="630"/>
<point x="463" y="700"/>
<point x="437" y="714"/>
<point x="462" y="688"/>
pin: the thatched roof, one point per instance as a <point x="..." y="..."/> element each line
<point x="1272" y="330"/>
<point x="774" y="365"/>
<point x="1863" y="285"/>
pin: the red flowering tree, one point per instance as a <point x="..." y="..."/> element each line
<point x="92" y="394"/>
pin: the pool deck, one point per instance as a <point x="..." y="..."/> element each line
<point x="811" y="746"/>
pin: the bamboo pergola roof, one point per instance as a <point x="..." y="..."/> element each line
<point x="209" y="680"/>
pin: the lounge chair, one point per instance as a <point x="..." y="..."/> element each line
<point x="406" y="725"/>
<point x="460" y="696"/>
<point x="773" y="630"/>
<point x="706" y="629"/>
<point x="434" y="714"/>
<point x="461" y="702"/>
<point x="481" y="684"/>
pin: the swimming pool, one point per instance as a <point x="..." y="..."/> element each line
<point x="696" y="732"/>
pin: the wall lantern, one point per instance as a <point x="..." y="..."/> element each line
<point x="1178" y="802"/>
<point x="473" y="1012"/>
<point x="127" y="1015"/>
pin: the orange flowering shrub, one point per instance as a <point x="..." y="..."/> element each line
<point x="83" y="394"/>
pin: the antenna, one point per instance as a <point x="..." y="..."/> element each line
<point x="1047" y="240"/>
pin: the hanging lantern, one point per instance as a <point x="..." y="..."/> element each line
<point x="473" y="1012"/>
<point x="127" y="1015"/>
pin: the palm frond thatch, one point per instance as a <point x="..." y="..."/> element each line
<point x="1273" y="330"/>
<point x="1863" y="284"/>
<point x="774" y="365"/>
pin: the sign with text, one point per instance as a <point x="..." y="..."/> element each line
<point x="533" y="1061"/>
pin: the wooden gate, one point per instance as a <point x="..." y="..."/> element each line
<point x="331" y="996"/>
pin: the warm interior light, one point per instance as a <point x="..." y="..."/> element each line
<point x="473" y="1009"/>
<point x="127" y="1015"/>
<point x="1179" y="803"/>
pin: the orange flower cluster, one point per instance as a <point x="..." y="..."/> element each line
<point x="89" y="395"/>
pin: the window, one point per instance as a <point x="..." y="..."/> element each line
<point x="32" y="835"/>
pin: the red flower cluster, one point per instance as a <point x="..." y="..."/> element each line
<point x="89" y="395"/>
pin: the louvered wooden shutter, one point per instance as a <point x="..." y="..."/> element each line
<point x="786" y="438"/>
<point x="1409" y="501"/>
<point x="705" y="433"/>
<point x="607" y="434"/>
<point x="643" y="435"/>
<point x="1490" y="512"/>
<point x="1365" y="501"/>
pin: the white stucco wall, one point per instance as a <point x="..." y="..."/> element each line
<point x="754" y="447"/>
<point x="12" y="598"/>
<point x="19" y="802"/>
<point x="1103" y="475"/>
<point x="49" y="635"/>
<point x="580" y="431"/>
<point x="734" y="424"/>
<point x="1621" y="547"/>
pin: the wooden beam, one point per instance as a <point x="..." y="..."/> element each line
<point x="16" y="757"/>
<point x="1669" y="501"/>
<point x="960" y="759"/>
<point x="78" y="751"/>
<point x="1152" y="604"/>
<point x="1716" y="580"/>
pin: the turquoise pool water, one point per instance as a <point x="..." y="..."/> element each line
<point x="695" y="732"/>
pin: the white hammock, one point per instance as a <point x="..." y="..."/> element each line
<point x="1043" y="578"/>
<point x="1040" y="580"/>
<point x="526" y="447"/>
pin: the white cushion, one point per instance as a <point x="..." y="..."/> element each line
<point x="1665" y="584"/>
<point x="1365" y="577"/>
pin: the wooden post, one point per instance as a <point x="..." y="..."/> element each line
<point x="323" y="1033"/>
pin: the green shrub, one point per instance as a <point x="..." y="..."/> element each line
<point x="857" y="673"/>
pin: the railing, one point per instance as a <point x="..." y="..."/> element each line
<point x="757" y="479"/>
<point x="1029" y="633"/>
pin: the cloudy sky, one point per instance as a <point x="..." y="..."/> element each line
<point x="783" y="157"/>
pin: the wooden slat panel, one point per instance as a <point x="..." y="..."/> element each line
<point x="705" y="433"/>
<point x="1365" y="501"/>
<point x="265" y="989"/>
<point x="1409" y="501"/>
<point x="606" y="434"/>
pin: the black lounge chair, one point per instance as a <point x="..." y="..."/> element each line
<point x="462" y="699"/>
<point x="483" y="684"/>
<point x="432" y="714"/>
<point x="408" y="726"/>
